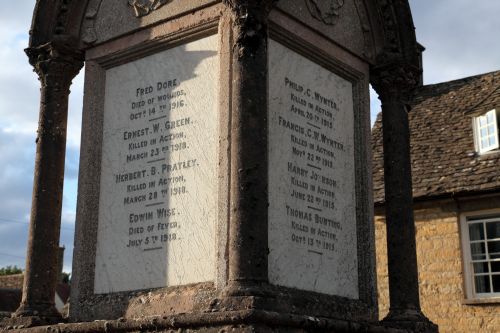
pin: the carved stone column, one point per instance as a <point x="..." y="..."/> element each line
<point x="248" y="216"/>
<point x="394" y="85"/>
<point x="56" y="67"/>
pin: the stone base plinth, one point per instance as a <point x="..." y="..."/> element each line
<point x="237" y="321"/>
<point x="14" y="323"/>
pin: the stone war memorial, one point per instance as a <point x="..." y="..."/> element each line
<point x="225" y="177"/>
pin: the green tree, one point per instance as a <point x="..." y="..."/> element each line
<point x="66" y="277"/>
<point x="10" y="270"/>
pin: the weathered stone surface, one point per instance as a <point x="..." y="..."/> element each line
<point x="247" y="321"/>
<point x="116" y="17"/>
<point x="312" y="220"/>
<point x="345" y="22"/>
<point x="158" y="201"/>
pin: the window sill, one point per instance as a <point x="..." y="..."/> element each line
<point x="487" y="153"/>
<point x="482" y="301"/>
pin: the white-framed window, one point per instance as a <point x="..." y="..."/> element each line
<point x="486" y="131"/>
<point x="481" y="254"/>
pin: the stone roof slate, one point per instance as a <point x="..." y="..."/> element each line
<point x="444" y="158"/>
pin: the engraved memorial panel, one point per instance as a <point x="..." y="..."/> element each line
<point x="312" y="211"/>
<point x="158" y="192"/>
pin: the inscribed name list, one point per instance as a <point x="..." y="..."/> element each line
<point x="158" y="192"/>
<point x="312" y="217"/>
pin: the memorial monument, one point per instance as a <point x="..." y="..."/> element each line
<point x="225" y="165"/>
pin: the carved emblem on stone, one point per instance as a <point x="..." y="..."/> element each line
<point x="326" y="11"/>
<point x="144" y="7"/>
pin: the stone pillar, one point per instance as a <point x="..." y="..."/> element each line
<point x="56" y="67"/>
<point x="249" y="204"/>
<point x="394" y="85"/>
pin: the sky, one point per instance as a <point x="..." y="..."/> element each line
<point x="460" y="37"/>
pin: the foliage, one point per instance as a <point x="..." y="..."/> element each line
<point x="66" y="277"/>
<point x="10" y="270"/>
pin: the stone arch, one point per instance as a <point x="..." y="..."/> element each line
<point x="387" y="25"/>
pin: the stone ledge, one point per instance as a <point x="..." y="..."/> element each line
<point x="237" y="321"/>
<point x="482" y="301"/>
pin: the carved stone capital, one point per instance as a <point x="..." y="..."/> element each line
<point x="55" y="63"/>
<point x="250" y="23"/>
<point x="395" y="81"/>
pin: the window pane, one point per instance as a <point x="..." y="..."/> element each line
<point x="495" y="266"/>
<point x="484" y="132"/>
<point x="494" y="249"/>
<point x="489" y="117"/>
<point x="482" y="121"/>
<point x="477" y="251"/>
<point x="491" y="129"/>
<point x="493" y="230"/>
<point x="476" y="231"/>
<point x="482" y="284"/>
<point x="492" y="141"/>
<point x="481" y="267"/>
<point x="496" y="283"/>
<point x="484" y="143"/>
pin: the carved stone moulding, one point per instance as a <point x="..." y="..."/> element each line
<point x="145" y="7"/>
<point x="325" y="11"/>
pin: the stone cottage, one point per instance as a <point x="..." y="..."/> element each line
<point x="11" y="293"/>
<point x="455" y="154"/>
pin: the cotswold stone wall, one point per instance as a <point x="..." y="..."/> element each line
<point x="14" y="281"/>
<point x="440" y="271"/>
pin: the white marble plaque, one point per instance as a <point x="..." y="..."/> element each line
<point x="312" y="217"/>
<point x="158" y="193"/>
